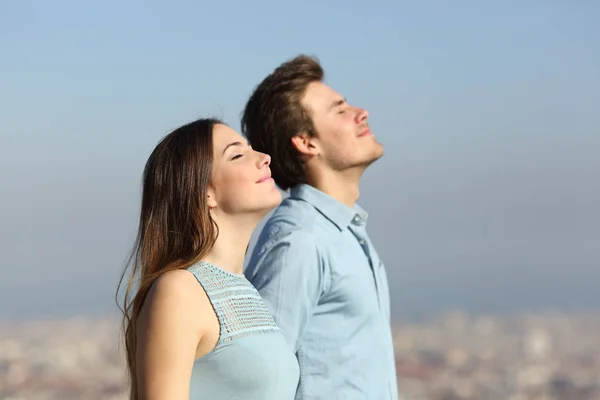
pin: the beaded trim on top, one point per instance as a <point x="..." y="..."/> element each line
<point x="238" y="305"/>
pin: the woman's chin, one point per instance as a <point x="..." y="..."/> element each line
<point x="259" y="208"/>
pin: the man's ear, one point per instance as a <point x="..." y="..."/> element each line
<point x="305" y="144"/>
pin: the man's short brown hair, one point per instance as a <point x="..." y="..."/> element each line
<point x="274" y="114"/>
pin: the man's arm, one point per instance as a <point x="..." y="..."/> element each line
<point x="289" y="276"/>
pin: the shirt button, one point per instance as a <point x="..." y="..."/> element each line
<point x="357" y="219"/>
<point x="361" y="241"/>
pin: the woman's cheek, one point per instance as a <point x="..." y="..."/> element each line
<point x="240" y="176"/>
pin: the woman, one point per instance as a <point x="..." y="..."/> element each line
<point x="196" y="328"/>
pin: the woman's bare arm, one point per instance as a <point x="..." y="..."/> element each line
<point x="169" y="329"/>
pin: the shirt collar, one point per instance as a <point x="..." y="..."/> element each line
<point x="339" y="214"/>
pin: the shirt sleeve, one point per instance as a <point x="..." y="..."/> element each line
<point x="288" y="274"/>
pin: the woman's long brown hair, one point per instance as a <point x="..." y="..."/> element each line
<point x="175" y="227"/>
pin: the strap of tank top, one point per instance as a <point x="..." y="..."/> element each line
<point x="237" y="304"/>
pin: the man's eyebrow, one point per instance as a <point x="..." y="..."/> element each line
<point x="232" y="144"/>
<point x="337" y="103"/>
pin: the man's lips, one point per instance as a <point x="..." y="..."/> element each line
<point x="366" y="132"/>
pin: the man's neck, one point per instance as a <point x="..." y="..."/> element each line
<point x="229" y="250"/>
<point x="342" y="186"/>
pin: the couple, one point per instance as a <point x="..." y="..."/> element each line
<point x="309" y="316"/>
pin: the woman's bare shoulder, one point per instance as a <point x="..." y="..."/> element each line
<point x="176" y="297"/>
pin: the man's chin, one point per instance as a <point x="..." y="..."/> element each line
<point x="377" y="155"/>
<point x="368" y="161"/>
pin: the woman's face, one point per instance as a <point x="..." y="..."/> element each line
<point x="241" y="178"/>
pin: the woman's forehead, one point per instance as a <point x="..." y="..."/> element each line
<point x="224" y="136"/>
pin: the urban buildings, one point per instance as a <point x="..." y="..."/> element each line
<point x="456" y="356"/>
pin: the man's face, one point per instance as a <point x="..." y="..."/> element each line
<point x="344" y="140"/>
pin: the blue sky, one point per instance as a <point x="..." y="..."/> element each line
<point x="487" y="197"/>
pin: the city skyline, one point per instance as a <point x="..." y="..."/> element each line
<point x="456" y="356"/>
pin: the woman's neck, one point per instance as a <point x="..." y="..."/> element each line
<point x="229" y="250"/>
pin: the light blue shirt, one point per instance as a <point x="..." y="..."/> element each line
<point x="327" y="289"/>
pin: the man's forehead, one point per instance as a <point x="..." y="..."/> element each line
<point x="320" y="96"/>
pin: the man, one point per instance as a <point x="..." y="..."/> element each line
<point x="313" y="262"/>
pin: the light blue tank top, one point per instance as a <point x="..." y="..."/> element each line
<point x="252" y="360"/>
